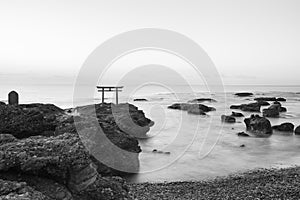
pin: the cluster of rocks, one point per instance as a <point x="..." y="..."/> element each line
<point x="43" y="157"/>
<point x="192" y="108"/>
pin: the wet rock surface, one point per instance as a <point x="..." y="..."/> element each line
<point x="140" y="99"/>
<point x="284" y="127"/>
<point x="259" y="126"/>
<point x="251" y="107"/>
<point x="243" y="134"/>
<point x="201" y="100"/>
<point x="237" y="114"/>
<point x="270" y="99"/>
<point x="198" y="109"/>
<point x="228" y="119"/>
<point x="244" y="94"/>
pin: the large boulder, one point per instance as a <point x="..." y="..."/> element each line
<point x="243" y="94"/>
<point x="272" y="111"/>
<point x="65" y="160"/>
<point x="284" y="127"/>
<point x="228" y="119"/>
<point x="260" y="126"/>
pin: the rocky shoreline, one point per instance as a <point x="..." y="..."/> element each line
<point x="257" y="184"/>
<point x="43" y="157"/>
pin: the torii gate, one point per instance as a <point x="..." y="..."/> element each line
<point x="110" y="89"/>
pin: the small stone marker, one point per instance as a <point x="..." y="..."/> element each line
<point x="13" y="98"/>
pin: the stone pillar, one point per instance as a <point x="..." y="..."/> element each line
<point x="13" y="98"/>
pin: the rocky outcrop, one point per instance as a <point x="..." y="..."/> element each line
<point x="284" y="127"/>
<point x="244" y="94"/>
<point x="251" y="107"/>
<point x="269" y="99"/>
<point x="201" y="100"/>
<point x="260" y="126"/>
<point x="65" y="160"/>
<point x="237" y="114"/>
<point x="228" y="119"/>
<point x="297" y="130"/>
<point x="23" y="121"/>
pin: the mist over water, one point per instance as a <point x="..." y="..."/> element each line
<point x="200" y="146"/>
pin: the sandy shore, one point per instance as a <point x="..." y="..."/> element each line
<point x="258" y="184"/>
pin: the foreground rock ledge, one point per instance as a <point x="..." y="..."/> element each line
<point x="40" y="147"/>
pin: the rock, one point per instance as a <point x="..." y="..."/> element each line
<point x="2" y="103"/>
<point x="201" y="100"/>
<point x="6" y="138"/>
<point x="236" y="114"/>
<point x="269" y="99"/>
<point x="228" y="119"/>
<point x="285" y="127"/>
<point x="187" y="106"/>
<point x="235" y="107"/>
<point x="297" y="131"/>
<point x="263" y="103"/>
<point x="242" y="146"/>
<point x="272" y="111"/>
<point x="251" y="107"/>
<point x="277" y="102"/>
<point x="11" y="190"/>
<point x="65" y="160"/>
<point x="281" y="99"/>
<point x="243" y="134"/>
<point x="196" y="111"/>
<point x="140" y="99"/>
<point x="243" y="94"/>
<point x="282" y="109"/>
<point x="23" y="121"/>
<point x="260" y="126"/>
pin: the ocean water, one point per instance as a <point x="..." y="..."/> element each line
<point x="199" y="147"/>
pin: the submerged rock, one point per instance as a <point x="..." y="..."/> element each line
<point x="201" y="100"/>
<point x="269" y="99"/>
<point x="228" y="119"/>
<point x="196" y="111"/>
<point x="141" y="99"/>
<point x="243" y="94"/>
<point x="188" y="106"/>
<point x="260" y="126"/>
<point x="236" y="114"/>
<point x="285" y="127"/>
<point x="251" y="107"/>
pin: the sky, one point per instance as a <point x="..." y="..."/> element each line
<point x="249" y="41"/>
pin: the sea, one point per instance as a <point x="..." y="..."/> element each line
<point x="191" y="147"/>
